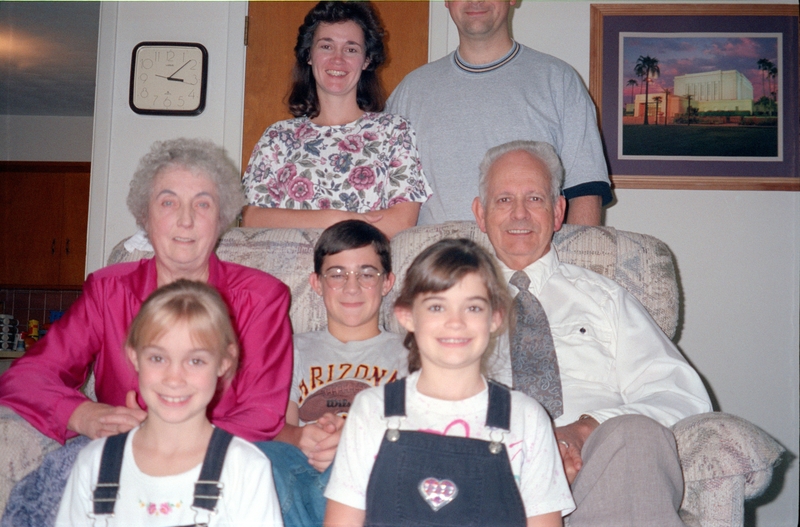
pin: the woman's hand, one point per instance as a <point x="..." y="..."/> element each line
<point x="389" y="221"/>
<point x="396" y="218"/>
<point x="95" y="420"/>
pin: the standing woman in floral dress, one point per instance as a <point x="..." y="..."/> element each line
<point x="339" y="158"/>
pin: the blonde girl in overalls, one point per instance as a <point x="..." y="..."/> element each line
<point x="176" y="468"/>
<point x="445" y="446"/>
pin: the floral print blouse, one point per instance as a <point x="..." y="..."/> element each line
<point x="369" y="164"/>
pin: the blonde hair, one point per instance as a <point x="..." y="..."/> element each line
<point x="440" y="267"/>
<point x="198" y="305"/>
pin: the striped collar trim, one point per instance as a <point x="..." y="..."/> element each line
<point x="492" y="65"/>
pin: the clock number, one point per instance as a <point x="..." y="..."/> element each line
<point x="143" y="77"/>
<point x="181" y="102"/>
<point x="155" y="98"/>
<point x="167" y="102"/>
<point x="194" y="65"/>
<point x="170" y="55"/>
<point x="191" y="94"/>
<point x="144" y="93"/>
<point x="147" y="64"/>
<point x="157" y="56"/>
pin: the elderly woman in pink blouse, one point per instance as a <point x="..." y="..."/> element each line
<point x="184" y="194"/>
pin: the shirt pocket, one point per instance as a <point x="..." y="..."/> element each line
<point x="585" y="353"/>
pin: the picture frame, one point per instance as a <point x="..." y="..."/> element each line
<point x="711" y="129"/>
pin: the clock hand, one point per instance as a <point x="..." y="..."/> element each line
<point x="170" y="78"/>
<point x="177" y="70"/>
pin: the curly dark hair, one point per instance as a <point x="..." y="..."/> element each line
<point x="303" y="99"/>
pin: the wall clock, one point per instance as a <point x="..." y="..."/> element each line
<point x="168" y="78"/>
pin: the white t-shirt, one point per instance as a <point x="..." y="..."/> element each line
<point x="248" y="496"/>
<point x="531" y="445"/>
<point x="328" y="373"/>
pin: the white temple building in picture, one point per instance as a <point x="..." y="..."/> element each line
<point x="717" y="91"/>
<point x="712" y="91"/>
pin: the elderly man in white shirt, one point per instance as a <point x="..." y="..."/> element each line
<point x="623" y="381"/>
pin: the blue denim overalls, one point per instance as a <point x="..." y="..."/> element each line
<point x="422" y="479"/>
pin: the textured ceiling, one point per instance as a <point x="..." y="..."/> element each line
<point x="48" y="57"/>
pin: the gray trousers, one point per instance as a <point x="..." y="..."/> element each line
<point x="631" y="476"/>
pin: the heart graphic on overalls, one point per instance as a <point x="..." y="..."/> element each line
<point x="437" y="493"/>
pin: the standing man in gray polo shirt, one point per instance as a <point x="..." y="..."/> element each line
<point x="492" y="90"/>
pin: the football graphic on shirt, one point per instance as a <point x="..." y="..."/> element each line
<point x="334" y="398"/>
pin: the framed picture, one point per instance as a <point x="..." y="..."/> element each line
<point x="698" y="96"/>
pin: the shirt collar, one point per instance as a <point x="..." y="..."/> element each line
<point x="539" y="271"/>
<point x="215" y="271"/>
<point x="484" y="68"/>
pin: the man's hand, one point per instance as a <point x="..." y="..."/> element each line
<point x="102" y="420"/>
<point x="570" y="444"/>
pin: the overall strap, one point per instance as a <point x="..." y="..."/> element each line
<point x="105" y="493"/>
<point x="208" y="488"/>
<point x="394" y="399"/>
<point x="498" y="414"/>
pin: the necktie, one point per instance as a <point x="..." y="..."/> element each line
<point x="533" y="356"/>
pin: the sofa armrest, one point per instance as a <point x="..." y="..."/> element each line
<point x="725" y="460"/>
<point x="22" y="449"/>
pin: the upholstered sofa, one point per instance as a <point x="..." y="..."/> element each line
<point x="725" y="459"/>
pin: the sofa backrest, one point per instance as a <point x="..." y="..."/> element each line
<point x="640" y="263"/>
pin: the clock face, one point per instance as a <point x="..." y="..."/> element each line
<point x="168" y="78"/>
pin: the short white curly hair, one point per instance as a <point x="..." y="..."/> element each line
<point x="539" y="149"/>
<point x="198" y="156"/>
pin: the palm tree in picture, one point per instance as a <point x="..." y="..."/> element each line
<point x="633" y="84"/>
<point x="666" y="106"/>
<point x="764" y="66"/>
<point x="657" y="99"/>
<point x="689" y="110"/>
<point x="646" y="68"/>
<point x="773" y="74"/>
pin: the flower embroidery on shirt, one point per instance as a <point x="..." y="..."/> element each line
<point x="160" y="509"/>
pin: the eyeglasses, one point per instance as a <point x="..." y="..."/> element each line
<point x="337" y="278"/>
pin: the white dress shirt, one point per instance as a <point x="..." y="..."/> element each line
<point x="612" y="356"/>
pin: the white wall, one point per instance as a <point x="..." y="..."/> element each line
<point x="45" y="138"/>
<point x="738" y="253"/>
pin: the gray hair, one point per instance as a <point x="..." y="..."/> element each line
<point x="198" y="156"/>
<point x="541" y="150"/>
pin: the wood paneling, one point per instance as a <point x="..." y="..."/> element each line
<point x="44" y="209"/>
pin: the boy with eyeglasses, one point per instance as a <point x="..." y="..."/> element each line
<point x="352" y="274"/>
